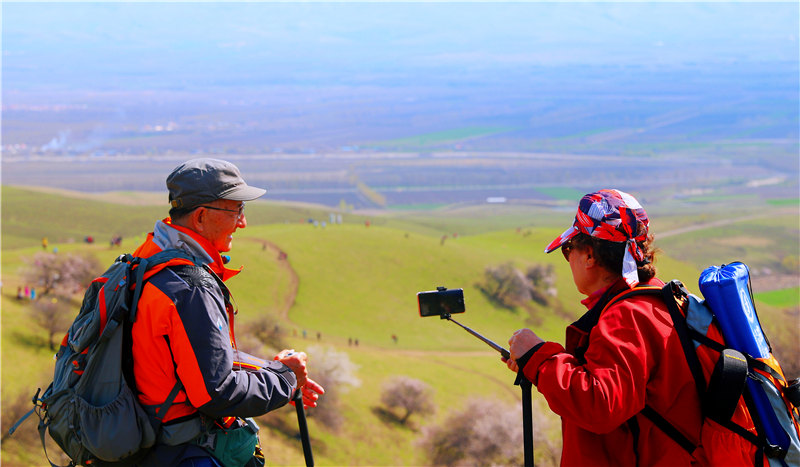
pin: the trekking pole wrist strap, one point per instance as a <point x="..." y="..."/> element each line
<point x="523" y="360"/>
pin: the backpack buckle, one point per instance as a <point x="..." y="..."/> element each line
<point x="678" y="289"/>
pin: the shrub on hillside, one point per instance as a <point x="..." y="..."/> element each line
<point x="509" y="287"/>
<point x="543" y="280"/>
<point x="785" y="347"/>
<point x="337" y="374"/>
<point x="791" y="264"/>
<point x="262" y="336"/>
<point x="410" y="395"/>
<point x="13" y="410"/>
<point x="488" y="432"/>
<point x="484" y="432"/>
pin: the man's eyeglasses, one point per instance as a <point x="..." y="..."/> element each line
<point x="240" y="211"/>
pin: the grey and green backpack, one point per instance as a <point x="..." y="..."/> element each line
<point x="91" y="409"/>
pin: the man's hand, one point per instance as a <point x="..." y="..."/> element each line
<point x="311" y="392"/>
<point x="296" y="361"/>
<point x="520" y="343"/>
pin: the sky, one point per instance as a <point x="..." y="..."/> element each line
<point x="108" y="46"/>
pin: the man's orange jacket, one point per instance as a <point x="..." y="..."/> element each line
<point x="184" y="331"/>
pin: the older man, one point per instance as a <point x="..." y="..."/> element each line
<point x="183" y="345"/>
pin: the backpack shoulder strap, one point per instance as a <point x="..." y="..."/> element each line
<point x="143" y="264"/>
<point x="671" y="294"/>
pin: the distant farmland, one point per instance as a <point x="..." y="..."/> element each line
<point x="357" y="179"/>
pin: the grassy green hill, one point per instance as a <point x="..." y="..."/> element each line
<point x="353" y="282"/>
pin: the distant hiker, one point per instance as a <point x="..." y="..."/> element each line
<point x="319" y="336"/>
<point x="44" y="243"/>
<point x="27" y="292"/>
<point x="33" y="293"/>
<point x="622" y="359"/>
<point x="19" y="293"/>
<point x="394" y="338"/>
<point x="183" y="334"/>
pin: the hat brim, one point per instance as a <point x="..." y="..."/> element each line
<point x="244" y="193"/>
<point x="562" y="239"/>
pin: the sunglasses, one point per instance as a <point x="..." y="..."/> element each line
<point x="566" y="248"/>
<point x="240" y="211"/>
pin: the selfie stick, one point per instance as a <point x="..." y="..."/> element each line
<point x="523" y="383"/>
<point x="496" y="347"/>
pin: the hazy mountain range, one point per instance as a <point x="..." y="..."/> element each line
<point x="112" y="46"/>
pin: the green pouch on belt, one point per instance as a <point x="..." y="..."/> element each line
<point x="235" y="447"/>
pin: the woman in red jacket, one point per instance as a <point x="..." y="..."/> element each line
<point x="617" y="360"/>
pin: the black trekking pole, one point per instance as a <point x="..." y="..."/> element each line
<point x="301" y="422"/>
<point x="527" y="416"/>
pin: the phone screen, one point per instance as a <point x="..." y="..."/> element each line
<point x="439" y="302"/>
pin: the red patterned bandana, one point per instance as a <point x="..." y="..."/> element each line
<point x="610" y="215"/>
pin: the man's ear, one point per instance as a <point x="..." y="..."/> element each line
<point x="196" y="220"/>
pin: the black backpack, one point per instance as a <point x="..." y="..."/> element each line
<point x="91" y="409"/>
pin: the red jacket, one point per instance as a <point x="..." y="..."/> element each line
<point x="606" y="374"/>
<point x="184" y="331"/>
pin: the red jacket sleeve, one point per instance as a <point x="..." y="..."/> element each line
<point x="610" y="387"/>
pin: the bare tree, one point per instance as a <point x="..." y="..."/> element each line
<point x="54" y="315"/>
<point x="59" y="273"/>
<point x="409" y="394"/>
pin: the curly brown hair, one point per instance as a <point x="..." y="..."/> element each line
<point x="610" y="254"/>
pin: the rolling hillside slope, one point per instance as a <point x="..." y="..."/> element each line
<point x="344" y="281"/>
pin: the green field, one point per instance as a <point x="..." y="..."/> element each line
<point x="783" y="298"/>
<point x="785" y="202"/>
<point x="355" y="282"/>
<point x="440" y="137"/>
